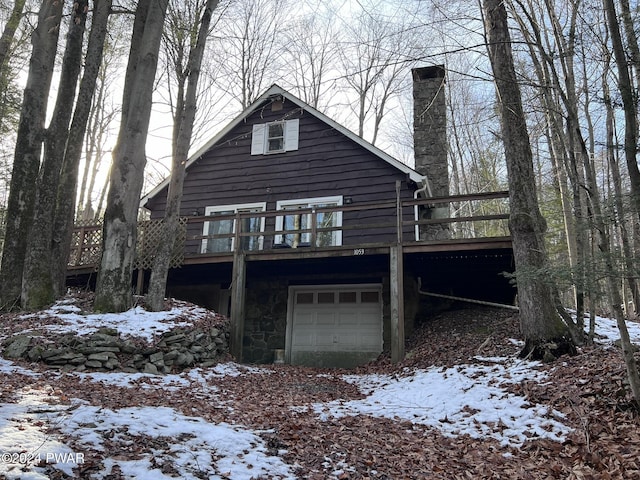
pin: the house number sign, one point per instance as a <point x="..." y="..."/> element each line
<point x="358" y="251"/>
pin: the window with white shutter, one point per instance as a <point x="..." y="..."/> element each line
<point x="275" y="137"/>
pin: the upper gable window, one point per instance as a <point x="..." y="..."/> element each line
<point x="275" y="137"/>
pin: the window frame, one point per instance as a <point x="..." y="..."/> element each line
<point x="268" y="138"/>
<point x="336" y="235"/>
<point x="260" y="137"/>
<point x="240" y="207"/>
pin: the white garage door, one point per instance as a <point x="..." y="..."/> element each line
<point x="335" y="326"/>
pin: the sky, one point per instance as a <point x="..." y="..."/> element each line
<point x="473" y="399"/>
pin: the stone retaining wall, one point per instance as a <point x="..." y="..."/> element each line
<point x="106" y="350"/>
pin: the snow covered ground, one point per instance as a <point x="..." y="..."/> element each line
<point x="467" y="399"/>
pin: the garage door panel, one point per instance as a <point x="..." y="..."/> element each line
<point x="348" y="330"/>
<point x="348" y="318"/>
<point x="348" y="340"/>
<point x="369" y="341"/>
<point x="326" y="318"/>
<point x="305" y="318"/>
<point x="325" y="339"/>
<point x="306" y="340"/>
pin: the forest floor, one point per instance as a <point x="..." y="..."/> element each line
<point x="460" y="406"/>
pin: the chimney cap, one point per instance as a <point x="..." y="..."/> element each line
<point x="428" y="73"/>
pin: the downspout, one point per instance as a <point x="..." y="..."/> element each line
<point x="425" y="188"/>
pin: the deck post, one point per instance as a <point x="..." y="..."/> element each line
<point x="237" y="304"/>
<point x="396" y="272"/>
<point x="140" y="281"/>
<point x="397" y="303"/>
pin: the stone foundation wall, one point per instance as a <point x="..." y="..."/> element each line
<point x="106" y="350"/>
<point x="265" y="321"/>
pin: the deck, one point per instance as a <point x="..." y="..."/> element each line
<point x="466" y="232"/>
<point x="476" y="222"/>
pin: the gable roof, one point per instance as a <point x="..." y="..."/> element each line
<point x="275" y="90"/>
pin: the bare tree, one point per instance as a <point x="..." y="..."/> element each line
<point x="102" y="116"/>
<point x="113" y="289"/>
<point x="375" y="57"/>
<point x="13" y="43"/>
<point x="30" y="136"/>
<point x="546" y="335"/>
<point x="65" y="201"/>
<point x="7" y="38"/>
<point x="185" y="28"/>
<point x="311" y="48"/>
<point x="249" y="49"/>
<point x="37" y="282"/>
<point x="629" y="102"/>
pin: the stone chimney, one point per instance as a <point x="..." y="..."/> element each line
<point x="430" y="143"/>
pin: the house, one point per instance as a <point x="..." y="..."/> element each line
<point x="318" y="244"/>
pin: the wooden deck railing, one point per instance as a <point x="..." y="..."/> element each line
<point x="470" y="218"/>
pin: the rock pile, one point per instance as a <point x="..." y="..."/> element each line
<point x="107" y="350"/>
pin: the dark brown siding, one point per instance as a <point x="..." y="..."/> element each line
<point x="327" y="163"/>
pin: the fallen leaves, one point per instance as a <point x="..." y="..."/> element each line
<point x="589" y="389"/>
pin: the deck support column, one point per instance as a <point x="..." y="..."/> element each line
<point x="237" y="305"/>
<point x="397" y="303"/>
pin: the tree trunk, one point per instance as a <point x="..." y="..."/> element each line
<point x="8" y="34"/>
<point x="632" y="39"/>
<point x="562" y="154"/>
<point x="113" y="289"/>
<point x="37" y="284"/>
<point x="66" y="194"/>
<point x="97" y="129"/>
<point x="29" y="140"/>
<point x="545" y="333"/>
<point x="627" y="247"/>
<point x="615" y="298"/>
<point x="628" y="103"/>
<point x="183" y="128"/>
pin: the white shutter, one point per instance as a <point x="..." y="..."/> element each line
<point x="257" y="139"/>
<point x="291" y="134"/>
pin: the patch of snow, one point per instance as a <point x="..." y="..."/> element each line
<point x="468" y="399"/>
<point x="607" y="330"/>
<point x="24" y="441"/>
<point x="136" y="322"/>
<point x="141" y="380"/>
<point x="7" y="366"/>
<point x="195" y="447"/>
